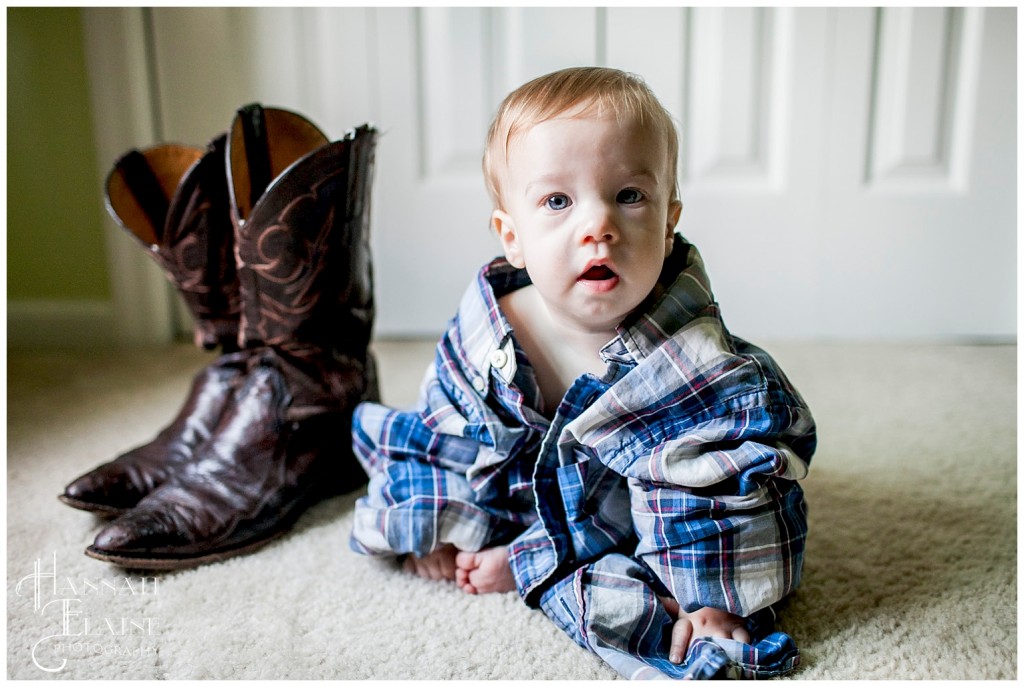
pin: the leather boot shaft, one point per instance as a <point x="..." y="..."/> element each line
<point x="173" y="200"/>
<point x="301" y="210"/>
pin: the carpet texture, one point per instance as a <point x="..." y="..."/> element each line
<point x="911" y="568"/>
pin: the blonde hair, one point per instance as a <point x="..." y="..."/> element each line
<point x="583" y="90"/>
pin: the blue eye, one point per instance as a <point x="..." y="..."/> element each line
<point x="629" y="196"/>
<point x="557" y="202"/>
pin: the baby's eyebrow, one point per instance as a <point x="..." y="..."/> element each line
<point x="542" y="180"/>
<point x="633" y="174"/>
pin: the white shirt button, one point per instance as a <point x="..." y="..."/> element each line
<point x="499" y="358"/>
<point x="480" y="384"/>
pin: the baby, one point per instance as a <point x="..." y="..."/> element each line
<point x="590" y="435"/>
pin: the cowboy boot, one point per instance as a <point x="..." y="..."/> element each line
<point x="174" y="201"/>
<point x="301" y="209"/>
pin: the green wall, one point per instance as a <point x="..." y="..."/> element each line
<point x="54" y="199"/>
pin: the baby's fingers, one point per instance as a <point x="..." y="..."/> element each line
<point x="681" y="630"/>
<point x="681" y="633"/>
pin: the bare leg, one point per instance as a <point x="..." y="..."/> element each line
<point x="437" y="565"/>
<point x="485" y="571"/>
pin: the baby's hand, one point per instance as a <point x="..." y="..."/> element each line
<point x="704" y="622"/>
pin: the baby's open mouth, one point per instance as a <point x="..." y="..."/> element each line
<point x="598" y="273"/>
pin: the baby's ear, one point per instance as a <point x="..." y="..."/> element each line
<point x="675" y="209"/>
<point x="502" y="223"/>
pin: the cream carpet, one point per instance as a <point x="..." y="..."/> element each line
<point x="911" y="568"/>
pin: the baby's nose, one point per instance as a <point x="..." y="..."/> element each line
<point x="601" y="226"/>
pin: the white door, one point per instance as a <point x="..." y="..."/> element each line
<point x="846" y="172"/>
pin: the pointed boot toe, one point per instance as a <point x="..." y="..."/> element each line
<point x="146" y="537"/>
<point x="101" y="493"/>
<point x="141" y="531"/>
<point x="248" y="485"/>
<point x="116" y="537"/>
<point x="114" y="488"/>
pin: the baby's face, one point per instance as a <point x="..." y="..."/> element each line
<point x="589" y="214"/>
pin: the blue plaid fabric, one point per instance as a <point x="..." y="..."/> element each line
<point x="673" y="474"/>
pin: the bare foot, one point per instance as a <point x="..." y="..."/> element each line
<point x="437" y="565"/>
<point x="704" y="622"/>
<point x="485" y="571"/>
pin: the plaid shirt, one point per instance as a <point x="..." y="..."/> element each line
<point x="673" y="474"/>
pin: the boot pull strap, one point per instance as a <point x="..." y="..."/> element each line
<point x="144" y="186"/>
<point x="263" y="143"/>
<point x="257" y="151"/>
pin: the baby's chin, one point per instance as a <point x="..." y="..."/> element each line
<point x="638" y="302"/>
<point x="605" y="314"/>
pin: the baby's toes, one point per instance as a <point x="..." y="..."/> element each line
<point x="461" y="577"/>
<point x="466" y="560"/>
<point x="463" y="583"/>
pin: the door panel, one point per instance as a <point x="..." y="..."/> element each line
<point x="923" y="245"/>
<point x="754" y="205"/>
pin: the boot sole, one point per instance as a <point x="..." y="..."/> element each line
<point x="152" y="562"/>
<point x="97" y="508"/>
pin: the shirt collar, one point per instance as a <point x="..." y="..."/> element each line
<point x="481" y="327"/>
<point x="683" y="293"/>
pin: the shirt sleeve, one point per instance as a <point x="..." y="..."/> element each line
<point x="428" y="484"/>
